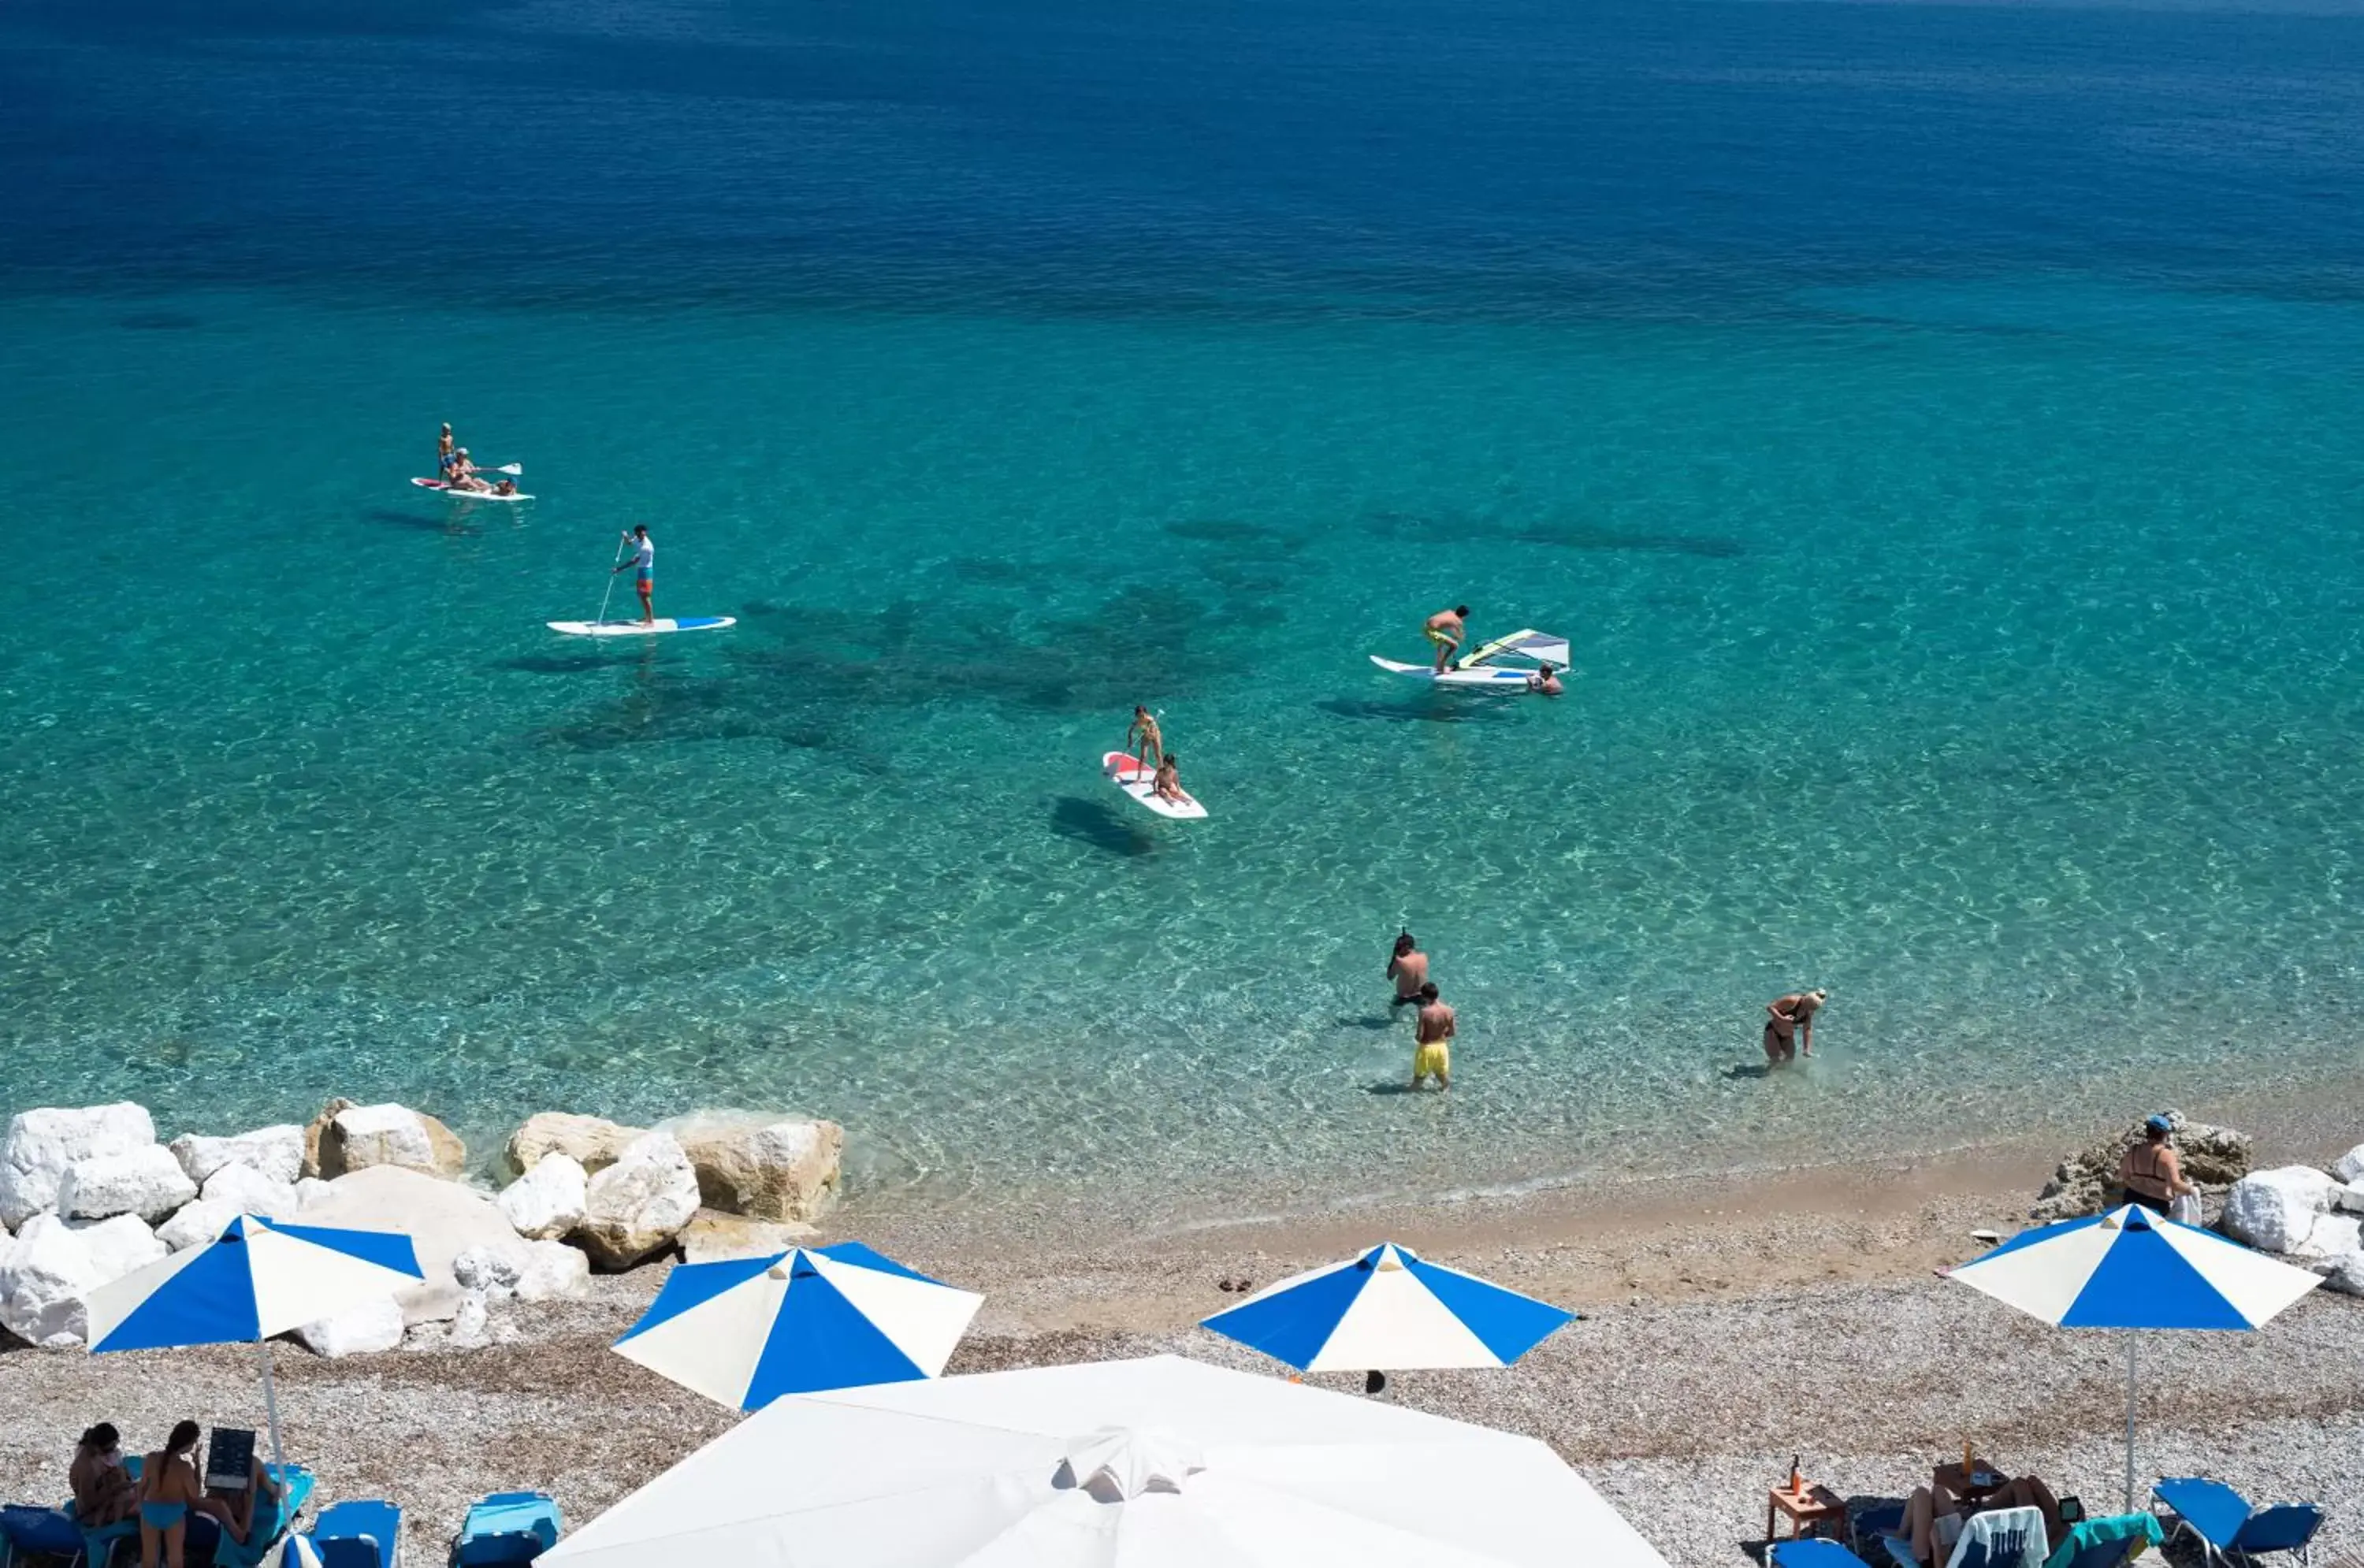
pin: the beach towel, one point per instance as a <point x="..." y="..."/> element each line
<point x="2087" y="1544"/>
<point x="2001" y="1537"/>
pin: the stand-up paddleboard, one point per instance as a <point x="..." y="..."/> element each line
<point x="1126" y="773"/>
<point x="1484" y="675"/>
<point x="641" y="627"/>
<point x="445" y="487"/>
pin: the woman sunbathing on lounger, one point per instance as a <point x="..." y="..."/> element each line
<point x="103" y="1492"/>
<point x="1933" y="1516"/>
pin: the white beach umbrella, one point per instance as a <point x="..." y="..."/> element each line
<point x="1156" y="1464"/>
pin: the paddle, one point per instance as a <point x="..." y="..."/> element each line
<point x="611" y="582"/>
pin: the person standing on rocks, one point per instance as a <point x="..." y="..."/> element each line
<point x="2151" y="1172"/>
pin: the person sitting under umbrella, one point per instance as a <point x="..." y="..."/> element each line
<point x="1933" y="1516"/>
<point x="103" y="1492"/>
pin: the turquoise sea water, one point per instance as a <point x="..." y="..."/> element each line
<point x="1936" y="428"/>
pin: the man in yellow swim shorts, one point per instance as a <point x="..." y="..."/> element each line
<point x="1432" y="1051"/>
<point x="1447" y="629"/>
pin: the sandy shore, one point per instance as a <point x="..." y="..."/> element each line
<point x="1729" y="1324"/>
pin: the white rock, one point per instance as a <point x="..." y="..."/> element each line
<point x="2331" y="1237"/>
<point x="49" y="1270"/>
<point x="120" y="1245"/>
<point x="252" y="1191"/>
<point x="274" y="1151"/>
<point x="2348" y="1198"/>
<point x="372" y="1325"/>
<point x="553" y="1271"/>
<point x="481" y="1271"/>
<point x="594" y="1141"/>
<point x="471" y="1324"/>
<point x="41" y="1144"/>
<point x="714" y="1237"/>
<point x="2273" y="1210"/>
<point x="2350" y="1167"/>
<point x="147" y="1182"/>
<point x="310" y="1190"/>
<point x="761" y="1165"/>
<point x="546" y="1203"/>
<point x="2346" y="1274"/>
<point x="441" y="1219"/>
<point x="636" y="1207"/>
<point x="195" y="1224"/>
<point x="360" y="1138"/>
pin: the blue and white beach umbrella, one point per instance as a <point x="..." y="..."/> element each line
<point x="1389" y="1310"/>
<point x="2131" y="1269"/>
<point x="747" y="1330"/>
<point x="256" y="1279"/>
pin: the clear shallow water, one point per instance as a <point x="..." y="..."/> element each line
<point x="1935" y="428"/>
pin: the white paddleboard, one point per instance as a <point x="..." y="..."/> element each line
<point x="444" y="485"/>
<point x="1485" y="675"/>
<point x="1126" y="773"/>
<point x="641" y="627"/>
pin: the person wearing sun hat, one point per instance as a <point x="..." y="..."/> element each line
<point x="2150" y="1171"/>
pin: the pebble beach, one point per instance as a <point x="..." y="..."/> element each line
<point x="1727" y="1329"/>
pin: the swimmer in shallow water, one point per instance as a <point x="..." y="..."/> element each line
<point x="1408" y="969"/>
<point x="1789" y="1025"/>
<point x="1432" y="1051"/>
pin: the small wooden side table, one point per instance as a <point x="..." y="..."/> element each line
<point x="1810" y="1506"/>
<point x="1965" y="1484"/>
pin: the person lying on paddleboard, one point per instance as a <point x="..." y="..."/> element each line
<point x="644" y="570"/>
<point x="1447" y="629"/>
<point x="1151" y="739"/>
<point x="1546" y="683"/>
<point x="1169" y="781"/>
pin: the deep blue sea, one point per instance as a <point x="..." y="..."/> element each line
<point x="1936" y="427"/>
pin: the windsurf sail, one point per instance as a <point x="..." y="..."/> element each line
<point x="1539" y="645"/>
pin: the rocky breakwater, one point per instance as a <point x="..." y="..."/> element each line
<point x="2213" y="1159"/>
<point x="90" y="1194"/>
<point x="2311" y="1217"/>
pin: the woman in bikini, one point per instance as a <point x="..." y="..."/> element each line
<point x="1790" y="1024"/>
<point x="103" y="1492"/>
<point x="170" y="1488"/>
<point x="2150" y="1171"/>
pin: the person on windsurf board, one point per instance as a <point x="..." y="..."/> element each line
<point x="1448" y="629"/>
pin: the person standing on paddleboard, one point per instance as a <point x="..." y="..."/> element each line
<point x="1408" y="969"/>
<point x="1151" y="739"/>
<point x="445" y="453"/>
<point x="644" y="570"/>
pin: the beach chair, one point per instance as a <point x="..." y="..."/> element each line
<point x="28" y="1534"/>
<point x="506" y="1528"/>
<point x="2226" y="1526"/>
<point x="1999" y="1538"/>
<point x="359" y="1535"/>
<point x="2106" y="1544"/>
<point x="272" y="1518"/>
<point x="1811" y="1552"/>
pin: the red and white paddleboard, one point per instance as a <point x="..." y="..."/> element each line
<point x="445" y="486"/>
<point x="1126" y="773"/>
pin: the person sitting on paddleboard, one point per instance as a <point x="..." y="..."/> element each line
<point x="1546" y="683"/>
<point x="1446" y="628"/>
<point x="462" y="474"/>
<point x="1151" y="739"/>
<point x="644" y="570"/>
<point x="505" y="487"/>
<point x="1169" y="781"/>
<point x="444" y="451"/>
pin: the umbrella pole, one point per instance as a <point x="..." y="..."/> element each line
<point x="270" y="1408"/>
<point x="2132" y="1340"/>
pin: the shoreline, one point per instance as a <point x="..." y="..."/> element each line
<point x="1728" y="1323"/>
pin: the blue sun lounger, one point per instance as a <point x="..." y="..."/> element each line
<point x="270" y="1519"/>
<point x="2228" y="1528"/>
<point x="359" y="1535"/>
<point x="1811" y="1553"/>
<point x="2109" y="1543"/>
<point x="506" y="1528"/>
